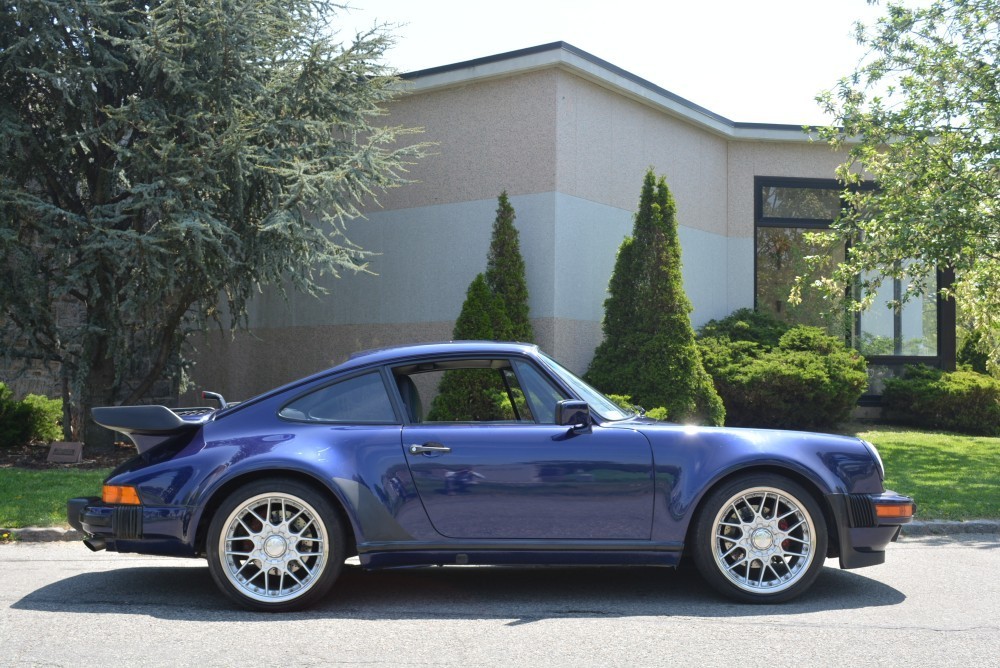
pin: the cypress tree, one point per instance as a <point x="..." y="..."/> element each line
<point x="649" y="349"/>
<point x="474" y="394"/>
<point x="505" y="272"/>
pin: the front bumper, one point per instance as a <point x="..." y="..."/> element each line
<point x="867" y="523"/>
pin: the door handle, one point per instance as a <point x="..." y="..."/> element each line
<point x="429" y="448"/>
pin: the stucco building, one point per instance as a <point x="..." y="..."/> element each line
<point x="568" y="136"/>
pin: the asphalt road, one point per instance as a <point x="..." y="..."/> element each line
<point x="936" y="602"/>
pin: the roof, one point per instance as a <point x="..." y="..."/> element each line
<point x="566" y="56"/>
<point x="382" y="355"/>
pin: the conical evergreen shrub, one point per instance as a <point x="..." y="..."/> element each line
<point x="474" y="394"/>
<point x="505" y="272"/>
<point x="649" y="349"/>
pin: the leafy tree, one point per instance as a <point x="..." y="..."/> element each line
<point x="505" y="271"/>
<point x="156" y="155"/>
<point x="474" y="394"/>
<point x="921" y="116"/>
<point x="649" y="350"/>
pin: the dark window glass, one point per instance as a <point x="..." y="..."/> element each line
<point x="801" y="203"/>
<point x="781" y="258"/>
<point x="358" y="399"/>
<point x="539" y="392"/>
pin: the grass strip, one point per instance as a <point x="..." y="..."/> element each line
<point x="951" y="476"/>
<point x="37" y="497"/>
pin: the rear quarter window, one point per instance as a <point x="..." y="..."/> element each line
<point x="361" y="399"/>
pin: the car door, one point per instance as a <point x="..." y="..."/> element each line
<point x="516" y="474"/>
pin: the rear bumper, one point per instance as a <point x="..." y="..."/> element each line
<point x="867" y="523"/>
<point x="128" y="528"/>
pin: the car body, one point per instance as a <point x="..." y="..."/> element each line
<point x="278" y="490"/>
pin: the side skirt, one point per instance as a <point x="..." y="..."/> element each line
<point x="401" y="554"/>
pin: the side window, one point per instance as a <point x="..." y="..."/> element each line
<point x="539" y="392"/>
<point x="495" y="391"/>
<point x="359" y="399"/>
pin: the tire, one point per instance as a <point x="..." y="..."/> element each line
<point x="275" y="545"/>
<point x="760" y="538"/>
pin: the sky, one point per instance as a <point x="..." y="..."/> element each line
<point x="760" y="61"/>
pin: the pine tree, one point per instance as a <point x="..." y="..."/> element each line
<point x="505" y="272"/>
<point x="649" y="349"/>
<point x="156" y="155"/>
<point x="474" y="394"/>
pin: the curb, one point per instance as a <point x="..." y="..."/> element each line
<point x="945" y="528"/>
<point x="43" y="534"/>
<point x="928" y="528"/>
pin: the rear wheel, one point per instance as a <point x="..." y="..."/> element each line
<point x="760" y="538"/>
<point x="275" y="545"/>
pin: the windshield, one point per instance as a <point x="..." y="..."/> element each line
<point x="606" y="408"/>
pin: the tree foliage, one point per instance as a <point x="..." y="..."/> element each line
<point x="505" y="271"/>
<point x="649" y="350"/>
<point x="155" y="155"/>
<point x="921" y="116"/>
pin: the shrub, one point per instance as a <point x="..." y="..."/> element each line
<point x="46" y="417"/>
<point x="36" y="418"/>
<point x="973" y="352"/>
<point x="15" y="420"/>
<point x="625" y="401"/>
<point x="747" y="325"/>
<point x="801" y="378"/>
<point x="963" y="401"/>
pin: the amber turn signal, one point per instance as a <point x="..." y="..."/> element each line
<point x="122" y="494"/>
<point x="894" y="510"/>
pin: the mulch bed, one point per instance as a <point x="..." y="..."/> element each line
<point x="94" y="457"/>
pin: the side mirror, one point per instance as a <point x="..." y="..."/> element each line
<point x="573" y="413"/>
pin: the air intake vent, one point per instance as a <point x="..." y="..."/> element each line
<point x="126" y="522"/>
<point x="862" y="511"/>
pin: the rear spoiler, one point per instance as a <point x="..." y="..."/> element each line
<point x="147" y="426"/>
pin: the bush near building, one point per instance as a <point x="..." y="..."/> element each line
<point x="776" y="376"/>
<point x="35" y="418"/>
<point x="962" y="401"/>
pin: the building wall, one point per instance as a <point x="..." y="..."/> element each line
<point x="571" y="153"/>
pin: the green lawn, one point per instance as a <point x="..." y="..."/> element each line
<point x="38" y="497"/>
<point x="952" y="477"/>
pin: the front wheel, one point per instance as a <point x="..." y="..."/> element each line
<point x="275" y="545"/>
<point x="760" y="538"/>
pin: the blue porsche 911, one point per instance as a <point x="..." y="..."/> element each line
<point x="478" y="453"/>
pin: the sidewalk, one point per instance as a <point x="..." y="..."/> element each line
<point x="928" y="528"/>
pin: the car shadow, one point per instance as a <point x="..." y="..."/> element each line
<point x="521" y="595"/>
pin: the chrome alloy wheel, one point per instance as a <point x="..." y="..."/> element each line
<point x="763" y="540"/>
<point x="274" y="547"/>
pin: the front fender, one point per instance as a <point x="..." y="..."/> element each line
<point x="690" y="461"/>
